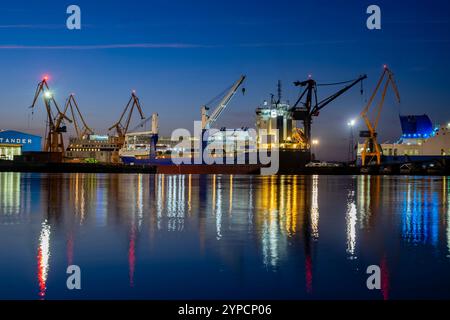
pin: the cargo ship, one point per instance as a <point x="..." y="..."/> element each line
<point x="147" y="149"/>
<point x="276" y="129"/>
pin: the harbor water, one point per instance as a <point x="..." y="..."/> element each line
<point x="142" y="236"/>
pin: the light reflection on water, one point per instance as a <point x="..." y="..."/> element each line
<point x="189" y="236"/>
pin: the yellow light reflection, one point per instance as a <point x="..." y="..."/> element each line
<point x="363" y="204"/>
<point x="315" y="208"/>
<point x="190" y="194"/>
<point x="219" y="210"/>
<point x="10" y="196"/>
<point x="445" y="200"/>
<point x="231" y="195"/>
<point x="270" y="238"/>
<point x="175" y="202"/>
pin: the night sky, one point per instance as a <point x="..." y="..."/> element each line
<point x="178" y="55"/>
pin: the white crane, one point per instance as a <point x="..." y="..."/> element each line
<point x="208" y="120"/>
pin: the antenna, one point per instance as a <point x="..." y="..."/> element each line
<point x="279" y="91"/>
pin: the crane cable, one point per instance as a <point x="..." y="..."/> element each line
<point x="335" y="83"/>
<point x="221" y="95"/>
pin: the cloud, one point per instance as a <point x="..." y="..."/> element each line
<point x="31" y="26"/>
<point x="296" y="44"/>
<point x="165" y="45"/>
<point x="104" y="46"/>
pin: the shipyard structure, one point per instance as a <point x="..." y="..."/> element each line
<point x="420" y="141"/>
<point x="14" y="144"/>
<point x="281" y="127"/>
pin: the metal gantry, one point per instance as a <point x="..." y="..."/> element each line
<point x="208" y="120"/>
<point x="133" y="103"/>
<point x="55" y="117"/>
<point x="308" y="105"/>
<point x="371" y="148"/>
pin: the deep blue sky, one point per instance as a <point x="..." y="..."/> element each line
<point x="215" y="42"/>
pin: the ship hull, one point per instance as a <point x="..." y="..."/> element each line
<point x="166" y="166"/>
<point x="289" y="162"/>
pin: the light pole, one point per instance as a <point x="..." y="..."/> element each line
<point x="314" y="142"/>
<point x="351" y="144"/>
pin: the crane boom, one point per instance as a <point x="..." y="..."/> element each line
<point x="311" y="106"/>
<point x="133" y="103"/>
<point x="331" y="98"/>
<point x="208" y="120"/>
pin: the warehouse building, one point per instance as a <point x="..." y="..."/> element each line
<point x="14" y="143"/>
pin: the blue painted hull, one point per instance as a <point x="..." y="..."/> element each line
<point x="408" y="159"/>
<point x="143" y="162"/>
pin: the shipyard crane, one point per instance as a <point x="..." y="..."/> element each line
<point x="83" y="131"/>
<point x="311" y="106"/>
<point x="371" y="147"/>
<point x="55" y="118"/>
<point x="133" y="103"/>
<point x="208" y="120"/>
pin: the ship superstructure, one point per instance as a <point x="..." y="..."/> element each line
<point x="420" y="141"/>
<point x="275" y="125"/>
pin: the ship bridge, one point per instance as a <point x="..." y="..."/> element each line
<point x="416" y="126"/>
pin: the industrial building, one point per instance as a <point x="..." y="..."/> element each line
<point x="14" y="143"/>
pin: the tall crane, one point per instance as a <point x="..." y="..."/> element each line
<point x="83" y="131"/>
<point x="371" y="147"/>
<point x="208" y="120"/>
<point x="55" y="118"/>
<point x="311" y="106"/>
<point x="133" y="103"/>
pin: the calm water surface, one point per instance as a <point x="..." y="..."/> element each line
<point x="231" y="237"/>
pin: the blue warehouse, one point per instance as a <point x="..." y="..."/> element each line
<point x="13" y="143"/>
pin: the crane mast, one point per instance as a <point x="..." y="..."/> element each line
<point x="54" y="141"/>
<point x="371" y="147"/>
<point x="311" y="107"/>
<point x="208" y="120"/>
<point x="155" y="123"/>
<point x="122" y="129"/>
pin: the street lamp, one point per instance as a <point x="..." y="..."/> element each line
<point x="351" y="142"/>
<point x="314" y="142"/>
<point x="48" y="95"/>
